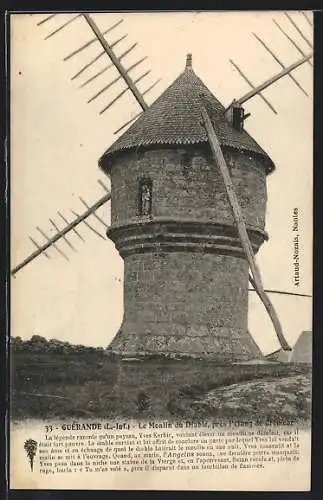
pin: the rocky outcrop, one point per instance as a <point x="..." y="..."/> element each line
<point x="286" y="399"/>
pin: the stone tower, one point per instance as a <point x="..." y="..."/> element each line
<point x="185" y="274"/>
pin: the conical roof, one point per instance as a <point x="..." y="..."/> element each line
<point x="175" y="119"/>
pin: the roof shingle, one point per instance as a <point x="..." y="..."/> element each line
<point x="175" y="119"/>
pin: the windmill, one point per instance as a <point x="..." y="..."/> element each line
<point x="131" y="86"/>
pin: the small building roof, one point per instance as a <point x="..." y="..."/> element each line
<point x="302" y="350"/>
<point x="175" y="119"/>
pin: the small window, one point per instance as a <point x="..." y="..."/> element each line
<point x="145" y="197"/>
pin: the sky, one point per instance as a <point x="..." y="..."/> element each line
<point x="57" y="139"/>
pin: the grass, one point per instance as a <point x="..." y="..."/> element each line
<point x="51" y="385"/>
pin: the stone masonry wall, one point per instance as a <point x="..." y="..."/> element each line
<point x="185" y="302"/>
<point x="187" y="185"/>
<point x="182" y="289"/>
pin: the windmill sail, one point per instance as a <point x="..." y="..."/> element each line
<point x="61" y="234"/>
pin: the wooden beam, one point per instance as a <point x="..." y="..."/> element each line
<point x="128" y="122"/>
<point x="116" y="61"/>
<point x="90" y="42"/>
<point x="123" y="92"/>
<point x="106" y="68"/>
<point x="89" y="226"/>
<point x="46" y="19"/>
<point x="94" y="213"/>
<point x="53" y="243"/>
<point x="64" y="237"/>
<point x="273" y="79"/>
<point x="244" y="238"/>
<point x="255" y="91"/>
<point x="115" y="80"/>
<point x="298" y="29"/>
<point x="63" y="26"/>
<point x="291" y="40"/>
<point x="62" y="233"/>
<point x="307" y="19"/>
<point x="280" y="63"/>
